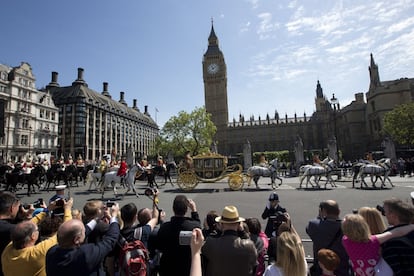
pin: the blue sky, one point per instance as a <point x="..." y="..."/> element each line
<point x="275" y="51"/>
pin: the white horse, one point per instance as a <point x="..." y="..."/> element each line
<point x="256" y="172"/>
<point x="381" y="168"/>
<point x="111" y="178"/>
<point x="94" y="178"/>
<point x="317" y="172"/>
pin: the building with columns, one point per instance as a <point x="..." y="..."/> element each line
<point x="92" y="124"/>
<point x="356" y="127"/>
<point x="29" y="118"/>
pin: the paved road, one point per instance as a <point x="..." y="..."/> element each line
<point x="302" y="204"/>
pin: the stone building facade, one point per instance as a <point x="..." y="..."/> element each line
<point x="355" y="127"/>
<point x="29" y="118"/>
<point x="92" y="124"/>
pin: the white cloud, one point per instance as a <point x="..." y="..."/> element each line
<point x="254" y="3"/>
<point x="266" y="27"/>
<point x="245" y="27"/>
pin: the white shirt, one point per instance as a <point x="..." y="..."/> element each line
<point x="272" y="270"/>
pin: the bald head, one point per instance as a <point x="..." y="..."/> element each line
<point x="71" y="234"/>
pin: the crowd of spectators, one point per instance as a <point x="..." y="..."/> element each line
<point x="55" y="239"/>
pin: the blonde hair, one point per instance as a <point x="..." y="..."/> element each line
<point x="374" y="219"/>
<point x="76" y="214"/>
<point x="290" y="254"/>
<point x="356" y="228"/>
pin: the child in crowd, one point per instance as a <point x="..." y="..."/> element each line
<point x="363" y="248"/>
<point x="328" y="261"/>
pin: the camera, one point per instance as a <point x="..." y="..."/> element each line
<point x="109" y="204"/>
<point x="381" y="209"/>
<point x="150" y="191"/>
<point x="60" y="202"/>
<point x="185" y="237"/>
<point x="279" y="217"/>
<point x="37" y="204"/>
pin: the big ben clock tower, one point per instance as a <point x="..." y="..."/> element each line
<point x="215" y="89"/>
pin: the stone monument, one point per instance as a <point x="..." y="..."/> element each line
<point x="299" y="159"/>
<point x="247" y="154"/>
<point x="333" y="149"/>
<point x="389" y="149"/>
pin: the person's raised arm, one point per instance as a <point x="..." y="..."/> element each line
<point x="395" y="233"/>
<point x="197" y="241"/>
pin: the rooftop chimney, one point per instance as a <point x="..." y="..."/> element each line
<point x="134" y="105"/>
<point x="359" y="97"/>
<point x="146" y="110"/>
<point x="105" y="90"/>
<point x="80" y="80"/>
<point x="54" y="81"/>
<point x="121" y="96"/>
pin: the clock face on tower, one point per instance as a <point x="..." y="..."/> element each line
<point x="213" y="68"/>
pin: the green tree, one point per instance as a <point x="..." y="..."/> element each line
<point x="399" y="124"/>
<point x="192" y="132"/>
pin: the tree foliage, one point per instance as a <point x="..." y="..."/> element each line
<point x="399" y="124"/>
<point x="191" y="132"/>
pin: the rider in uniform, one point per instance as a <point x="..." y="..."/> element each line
<point x="188" y="160"/>
<point x="262" y="161"/>
<point x="123" y="167"/>
<point x="103" y="166"/>
<point x="316" y="160"/>
<point x="160" y="162"/>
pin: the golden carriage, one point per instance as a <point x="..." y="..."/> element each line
<point x="210" y="168"/>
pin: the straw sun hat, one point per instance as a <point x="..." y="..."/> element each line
<point x="229" y="215"/>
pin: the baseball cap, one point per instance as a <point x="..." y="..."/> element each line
<point x="273" y="196"/>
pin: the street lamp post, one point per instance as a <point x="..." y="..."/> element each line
<point x="335" y="105"/>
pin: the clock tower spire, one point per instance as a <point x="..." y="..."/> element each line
<point x="215" y="89"/>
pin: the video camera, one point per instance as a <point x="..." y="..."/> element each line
<point x="150" y="191"/>
<point x="37" y="204"/>
<point x="278" y="219"/>
<point x="185" y="237"/>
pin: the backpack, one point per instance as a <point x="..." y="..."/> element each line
<point x="133" y="258"/>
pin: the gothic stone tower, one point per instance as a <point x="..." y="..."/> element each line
<point x="215" y="89"/>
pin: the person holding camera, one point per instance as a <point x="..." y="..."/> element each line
<point x="176" y="257"/>
<point x="74" y="257"/>
<point x="23" y="256"/>
<point x="59" y="199"/>
<point x="399" y="252"/>
<point x="275" y="214"/>
<point x="9" y="207"/>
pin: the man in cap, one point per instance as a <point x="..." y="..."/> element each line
<point x="229" y="254"/>
<point x="275" y="215"/>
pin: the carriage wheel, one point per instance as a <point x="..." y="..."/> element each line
<point x="187" y="180"/>
<point x="235" y="181"/>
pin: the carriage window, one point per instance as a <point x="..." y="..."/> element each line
<point x="219" y="163"/>
<point x="208" y="163"/>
